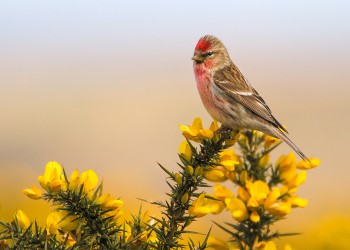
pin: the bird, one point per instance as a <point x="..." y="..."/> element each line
<point x="228" y="96"/>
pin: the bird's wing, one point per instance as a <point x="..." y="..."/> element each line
<point x="232" y="82"/>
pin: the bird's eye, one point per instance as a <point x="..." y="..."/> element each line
<point x="208" y="54"/>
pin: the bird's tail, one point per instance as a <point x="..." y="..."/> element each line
<point x="280" y="134"/>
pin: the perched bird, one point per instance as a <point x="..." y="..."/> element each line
<point x="228" y="96"/>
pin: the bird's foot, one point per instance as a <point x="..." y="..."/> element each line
<point x="223" y="130"/>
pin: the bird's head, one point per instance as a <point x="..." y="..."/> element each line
<point x="210" y="53"/>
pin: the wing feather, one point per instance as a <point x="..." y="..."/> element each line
<point x="231" y="81"/>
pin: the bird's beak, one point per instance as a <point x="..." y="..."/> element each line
<point x="197" y="58"/>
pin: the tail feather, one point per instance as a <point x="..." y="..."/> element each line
<point x="280" y="134"/>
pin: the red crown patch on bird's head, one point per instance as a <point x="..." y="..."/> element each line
<point x="204" y="44"/>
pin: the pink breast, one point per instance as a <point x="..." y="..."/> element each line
<point x="204" y="86"/>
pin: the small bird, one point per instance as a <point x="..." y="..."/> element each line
<point x="228" y="96"/>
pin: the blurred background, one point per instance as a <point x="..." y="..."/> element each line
<point x="105" y="85"/>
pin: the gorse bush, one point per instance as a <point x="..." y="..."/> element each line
<point x="257" y="193"/>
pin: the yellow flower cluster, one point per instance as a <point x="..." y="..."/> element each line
<point x="256" y="198"/>
<point x="115" y="205"/>
<point x="60" y="221"/>
<point x="56" y="222"/>
<point x="224" y="170"/>
<point x="264" y="193"/>
<point x="21" y="221"/>
<point x="224" y="167"/>
<point x="138" y="232"/>
<point x="196" y="132"/>
<point x="53" y="180"/>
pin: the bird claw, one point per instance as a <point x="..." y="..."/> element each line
<point x="223" y="130"/>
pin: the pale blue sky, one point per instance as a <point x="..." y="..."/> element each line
<point x="122" y="31"/>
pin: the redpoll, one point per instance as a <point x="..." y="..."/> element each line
<point x="227" y="95"/>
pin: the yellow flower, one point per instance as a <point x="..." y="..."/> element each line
<point x="217" y="174"/>
<point x="203" y="206"/>
<point x="89" y="179"/>
<point x="269" y="141"/>
<point x="272" y="198"/>
<point x="263" y="245"/>
<point x="53" y="179"/>
<point x="67" y="223"/>
<point x="296" y="180"/>
<point x="286" y="160"/>
<point x="254" y="217"/>
<point x="185" y="150"/>
<point x="284" y="190"/>
<point x="243" y="194"/>
<point x="59" y="220"/>
<point x="252" y="203"/>
<point x="33" y="193"/>
<point x="297" y="201"/>
<point x="52" y="223"/>
<point x="286" y="165"/>
<point x="264" y="161"/>
<point x="280" y="208"/>
<point x="116" y="214"/>
<point x="214" y="126"/>
<point x="115" y="204"/>
<point x="107" y="201"/>
<point x="222" y="192"/>
<point x="305" y="164"/>
<point x="237" y="208"/>
<point x="22" y="219"/>
<point x="206" y="134"/>
<point x="228" y="159"/>
<point x="216" y="244"/>
<point x="188" y="132"/>
<point x="196" y="132"/>
<point x="258" y="190"/>
<point x="74" y="180"/>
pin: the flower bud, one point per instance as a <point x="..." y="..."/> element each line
<point x="33" y="193"/>
<point x="178" y="179"/>
<point x="189" y="170"/>
<point x="184" y="198"/>
<point x="198" y="171"/>
<point x="22" y="219"/>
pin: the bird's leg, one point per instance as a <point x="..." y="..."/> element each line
<point x="223" y="130"/>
